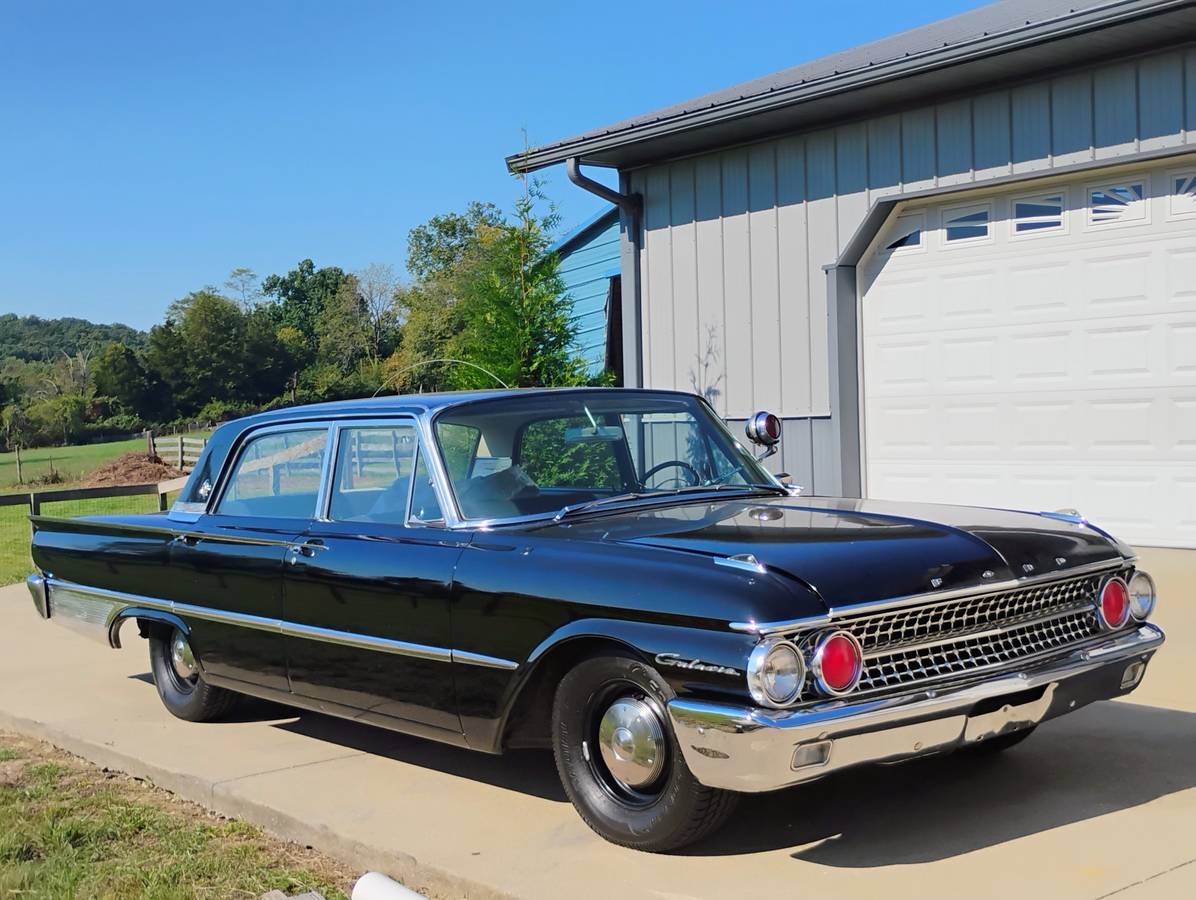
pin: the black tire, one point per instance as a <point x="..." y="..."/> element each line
<point x="191" y="698"/>
<point x="672" y="811"/>
<point x="999" y="744"/>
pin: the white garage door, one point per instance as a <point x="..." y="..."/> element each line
<point x="1036" y="349"/>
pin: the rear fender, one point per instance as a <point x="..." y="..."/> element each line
<point x="143" y="615"/>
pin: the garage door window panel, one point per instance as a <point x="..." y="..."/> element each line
<point x="966" y="225"/>
<point x="1038" y="214"/>
<point x="1118" y="203"/>
<point x="907" y="235"/>
<point x="1182" y="199"/>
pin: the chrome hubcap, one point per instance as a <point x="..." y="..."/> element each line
<point x="182" y="658"/>
<point x="631" y="741"/>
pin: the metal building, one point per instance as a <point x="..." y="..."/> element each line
<point x="959" y="262"/>
<point x="589" y="267"/>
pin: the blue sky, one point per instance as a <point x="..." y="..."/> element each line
<point x="149" y="148"/>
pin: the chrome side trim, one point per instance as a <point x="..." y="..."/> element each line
<point x="94" y="610"/>
<point x="486" y="662"/>
<point x="930" y="597"/>
<point x="365" y="642"/>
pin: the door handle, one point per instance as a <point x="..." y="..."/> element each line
<point x="187" y="540"/>
<point x="307" y="549"/>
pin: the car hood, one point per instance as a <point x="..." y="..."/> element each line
<point x="858" y="551"/>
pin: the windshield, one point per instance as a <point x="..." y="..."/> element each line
<point x="514" y="457"/>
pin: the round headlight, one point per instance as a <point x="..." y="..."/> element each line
<point x="776" y="673"/>
<point x="1142" y="596"/>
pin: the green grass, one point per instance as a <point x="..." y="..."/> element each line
<point x="14" y="527"/>
<point x="73" y="463"/>
<point x="69" y="830"/>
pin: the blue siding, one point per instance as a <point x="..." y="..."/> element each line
<point x="589" y="258"/>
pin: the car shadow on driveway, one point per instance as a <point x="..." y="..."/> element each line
<point x="1107" y="757"/>
<point x="529" y="772"/>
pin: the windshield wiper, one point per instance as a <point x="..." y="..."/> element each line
<point x="574" y="508"/>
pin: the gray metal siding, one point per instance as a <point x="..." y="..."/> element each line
<point x="735" y="241"/>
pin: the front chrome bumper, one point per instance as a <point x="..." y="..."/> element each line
<point x="751" y="750"/>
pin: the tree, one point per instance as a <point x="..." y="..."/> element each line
<point x="376" y="285"/>
<point x="344" y="327"/>
<point x="514" y="310"/>
<point x="17" y="433"/>
<point x="118" y="374"/>
<point x="302" y="295"/>
<point x="443" y="243"/>
<point x="242" y="284"/>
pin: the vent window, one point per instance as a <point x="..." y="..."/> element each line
<point x="966" y="224"/>
<point x="1035" y="214"/>
<point x="1117" y="203"/>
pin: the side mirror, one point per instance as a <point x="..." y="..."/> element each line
<point x="764" y="429"/>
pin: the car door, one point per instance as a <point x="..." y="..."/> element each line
<point x="228" y="565"/>
<point x="367" y="592"/>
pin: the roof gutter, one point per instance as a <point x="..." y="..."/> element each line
<point x="630" y="204"/>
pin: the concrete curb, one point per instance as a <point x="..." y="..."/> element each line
<point x="222" y="797"/>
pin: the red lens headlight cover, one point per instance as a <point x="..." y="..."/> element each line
<point x="1115" y="603"/>
<point x="838" y="663"/>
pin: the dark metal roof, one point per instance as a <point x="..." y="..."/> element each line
<point x="1041" y="34"/>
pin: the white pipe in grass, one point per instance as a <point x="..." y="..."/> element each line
<point x="376" y="886"/>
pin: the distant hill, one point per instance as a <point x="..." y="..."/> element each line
<point x="34" y="338"/>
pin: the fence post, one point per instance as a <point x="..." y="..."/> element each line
<point x="149" y="444"/>
<point x="35" y="504"/>
<point x="161" y="499"/>
<point x="180" y="465"/>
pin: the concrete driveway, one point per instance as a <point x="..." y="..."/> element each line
<point x="1100" y="803"/>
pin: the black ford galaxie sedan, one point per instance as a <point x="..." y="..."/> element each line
<point x="608" y="573"/>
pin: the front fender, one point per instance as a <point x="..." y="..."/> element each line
<point x="696" y="664"/>
<point x="692" y="660"/>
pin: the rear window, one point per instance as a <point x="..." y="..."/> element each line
<point x="277" y="475"/>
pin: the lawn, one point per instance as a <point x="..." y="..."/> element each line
<point x="68" y="829"/>
<point x="14" y="527"/>
<point x="73" y="463"/>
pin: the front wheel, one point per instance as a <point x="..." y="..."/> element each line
<point x="619" y="761"/>
<point x="179" y="682"/>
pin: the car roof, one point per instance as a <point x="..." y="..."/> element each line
<point x="414" y="403"/>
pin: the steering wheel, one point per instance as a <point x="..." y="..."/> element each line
<point x="695" y="478"/>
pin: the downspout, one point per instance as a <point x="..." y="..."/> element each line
<point x="631" y="207"/>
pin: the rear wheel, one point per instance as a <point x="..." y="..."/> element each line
<point x="619" y="761"/>
<point x="179" y="682"/>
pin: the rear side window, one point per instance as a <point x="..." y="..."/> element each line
<point x="277" y="475"/>
<point x="372" y="478"/>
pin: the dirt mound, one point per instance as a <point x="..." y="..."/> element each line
<point x="132" y="468"/>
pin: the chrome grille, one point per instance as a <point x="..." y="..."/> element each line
<point x="936" y="640"/>
<point x="982" y="651"/>
<point x="920" y="624"/>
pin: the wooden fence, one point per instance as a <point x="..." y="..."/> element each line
<point x="179" y="450"/>
<point x="34" y="500"/>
